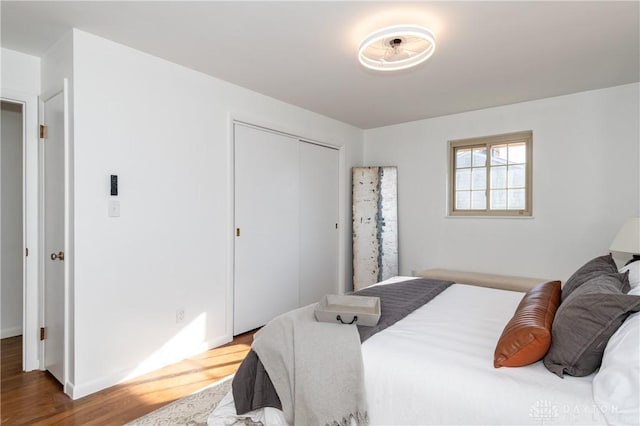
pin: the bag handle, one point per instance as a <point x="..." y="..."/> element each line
<point x="339" y="318"/>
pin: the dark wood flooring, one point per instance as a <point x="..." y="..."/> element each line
<point x="36" y="398"/>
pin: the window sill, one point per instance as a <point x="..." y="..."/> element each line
<point x="487" y="217"/>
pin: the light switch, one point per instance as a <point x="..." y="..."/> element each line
<point x="114" y="208"/>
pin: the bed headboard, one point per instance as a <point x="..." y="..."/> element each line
<point x="504" y="282"/>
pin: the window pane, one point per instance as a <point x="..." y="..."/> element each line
<point x="516" y="176"/>
<point x="478" y="200"/>
<point x="499" y="177"/>
<point x="479" y="178"/>
<point x="515" y="199"/>
<point x="463" y="179"/>
<point x="499" y="199"/>
<point x="491" y="175"/>
<point x="517" y="153"/>
<point x="463" y="200"/>
<point x="498" y="155"/>
<point x="479" y="157"/>
<point x="463" y="158"/>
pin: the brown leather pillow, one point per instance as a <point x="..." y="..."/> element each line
<point x="527" y="336"/>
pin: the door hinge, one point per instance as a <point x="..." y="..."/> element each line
<point x="26" y="251"/>
<point x="43" y="334"/>
<point x="237" y="232"/>
<point x="43" y="131"/>
<point x="336" y="226"/>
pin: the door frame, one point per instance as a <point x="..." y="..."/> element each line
<point x="64" y="89"/>
<point x="30" y="230"/>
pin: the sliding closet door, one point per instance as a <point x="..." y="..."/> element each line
<point x="319" y="167"/>
<point x="266" y="219"/>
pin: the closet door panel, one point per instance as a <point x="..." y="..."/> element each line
<point x="266" y="268"/>
<point x="319" y="174"/>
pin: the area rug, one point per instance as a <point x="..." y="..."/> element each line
<point x="191" y="410"/>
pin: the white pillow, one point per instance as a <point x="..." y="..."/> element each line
<point x="634" y="273"/>
<point x="616" y="387"/>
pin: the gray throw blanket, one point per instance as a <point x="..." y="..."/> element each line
<point x="316" y="368"/>
<point x="252" y="387"/>
<point x="399" y="300"/>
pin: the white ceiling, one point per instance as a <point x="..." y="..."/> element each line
<point x="305" y="53"/>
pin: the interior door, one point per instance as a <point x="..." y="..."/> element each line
<point x="266" y="220"/>
<point x="54" y="231"/>
<point x="319" y="174"/>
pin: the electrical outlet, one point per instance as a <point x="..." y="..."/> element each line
<point x="179" y="315"/>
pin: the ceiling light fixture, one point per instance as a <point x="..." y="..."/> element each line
<point x="396" y="48"/>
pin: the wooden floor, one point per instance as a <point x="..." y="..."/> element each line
<point x="36" y="398"/>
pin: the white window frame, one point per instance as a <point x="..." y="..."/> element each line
<point x="488" y="141"/>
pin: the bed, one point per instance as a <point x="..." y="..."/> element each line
<point x="434" y="367"/>
<point x="450" y="342"/>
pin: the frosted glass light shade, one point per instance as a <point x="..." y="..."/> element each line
<point x="397" y="47"/>
<point x="628" y="238"/>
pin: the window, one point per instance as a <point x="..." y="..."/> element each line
<point x="491" y="176"/>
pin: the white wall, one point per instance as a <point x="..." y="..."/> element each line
<point x="21" y="83"/>
<point x="165" y="131"/>
<point x="586" y="182"/>
<point x="20" y="72"/>
<point x="12" y="233"/>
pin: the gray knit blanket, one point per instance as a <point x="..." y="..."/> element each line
<point x="253" y="388"/>
<point x="316" y="368"/>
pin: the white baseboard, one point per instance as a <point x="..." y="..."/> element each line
<point x="83" y="389"/>
<point x="10" y="332"/>
<point x="69" y="389"/>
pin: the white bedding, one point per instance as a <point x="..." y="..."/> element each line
<point x="435" y="367"/>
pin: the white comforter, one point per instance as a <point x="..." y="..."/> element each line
<point x="435" y="367"/>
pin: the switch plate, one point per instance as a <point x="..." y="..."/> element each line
<point x="114" y="208"/>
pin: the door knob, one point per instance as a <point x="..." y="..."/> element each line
<point x="59" y="256"/>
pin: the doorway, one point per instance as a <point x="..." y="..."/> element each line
<point x="12" y="219"/>
<point x="21" y="109"/>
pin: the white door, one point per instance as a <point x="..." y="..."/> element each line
<point x="266" y="221"/>
<point x="319" y="168"/>
<point x="53" y="195"/>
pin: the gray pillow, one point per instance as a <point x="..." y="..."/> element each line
<point x="585" y="322"/>
<point x="596" y="266"/>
